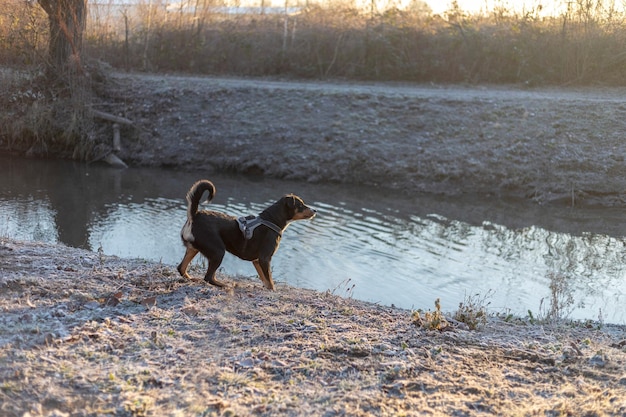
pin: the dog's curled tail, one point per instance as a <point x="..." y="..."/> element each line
<point x="195" y="194"/>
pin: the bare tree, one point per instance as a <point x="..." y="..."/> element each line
<point x="67" y="23"/>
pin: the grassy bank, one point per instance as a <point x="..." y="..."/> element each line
<point x="84" y="334"/>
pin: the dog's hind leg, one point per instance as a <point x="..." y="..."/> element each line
<point x="263" y="269"/>
<point x="214" y="263"/>
<point x="189" y="255"/>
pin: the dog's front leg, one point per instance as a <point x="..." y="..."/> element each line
<point x="262" y="266"/>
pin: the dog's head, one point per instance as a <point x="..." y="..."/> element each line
<point x="296" y="209"/>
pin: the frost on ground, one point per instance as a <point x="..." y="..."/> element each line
<point x="83" y="333"/>
<point x="559" y="146"/>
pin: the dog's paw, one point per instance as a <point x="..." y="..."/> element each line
<point x="188" y="279"/>
<point x="216" y="282"/>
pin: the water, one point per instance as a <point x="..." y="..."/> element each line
<point x="385" y="247"/>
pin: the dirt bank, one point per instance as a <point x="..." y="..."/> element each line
<point x="560" y="146"/>
<point x="552" y="145"/>
<point x="84" y="334"/>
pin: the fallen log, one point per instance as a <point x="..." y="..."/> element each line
<point x="112" y="118"/>
<point x="114" y="161"/>
<point x="111" y="158"/>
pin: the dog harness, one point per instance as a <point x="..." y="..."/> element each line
<point x="247" y="224"/>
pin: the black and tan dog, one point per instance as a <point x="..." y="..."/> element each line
<point x="213" y="233"/>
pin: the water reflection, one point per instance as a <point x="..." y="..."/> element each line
<point x="405" y="250"/>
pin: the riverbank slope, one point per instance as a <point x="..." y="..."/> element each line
<point x="86" y="334"/>
<point x="552" y="145"/>
<point x="561" y="146"/>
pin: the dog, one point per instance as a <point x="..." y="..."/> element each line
<point x="253" y="239"/>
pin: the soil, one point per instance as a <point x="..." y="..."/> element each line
<point x="562" y="146"/>
<point x="85" y="334"/>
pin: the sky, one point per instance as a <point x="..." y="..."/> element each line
<point x="440" y="6"/>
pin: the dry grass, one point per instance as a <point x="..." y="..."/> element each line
<point x="582" y="45"/>
<point x="87" y="335"/>
<point x="45" y="114"/>
<point x="43" y="118"/>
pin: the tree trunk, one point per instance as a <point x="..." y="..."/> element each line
<point x="67" y="22"/>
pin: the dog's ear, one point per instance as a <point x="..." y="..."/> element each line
<point x="290" y="201"/>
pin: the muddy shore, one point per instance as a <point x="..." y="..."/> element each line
<point x="85" y="334"/>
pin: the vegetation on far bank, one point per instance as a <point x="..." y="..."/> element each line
<point x="581" y="45"/>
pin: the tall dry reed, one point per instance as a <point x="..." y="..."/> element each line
<point x="581" y="45"/>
